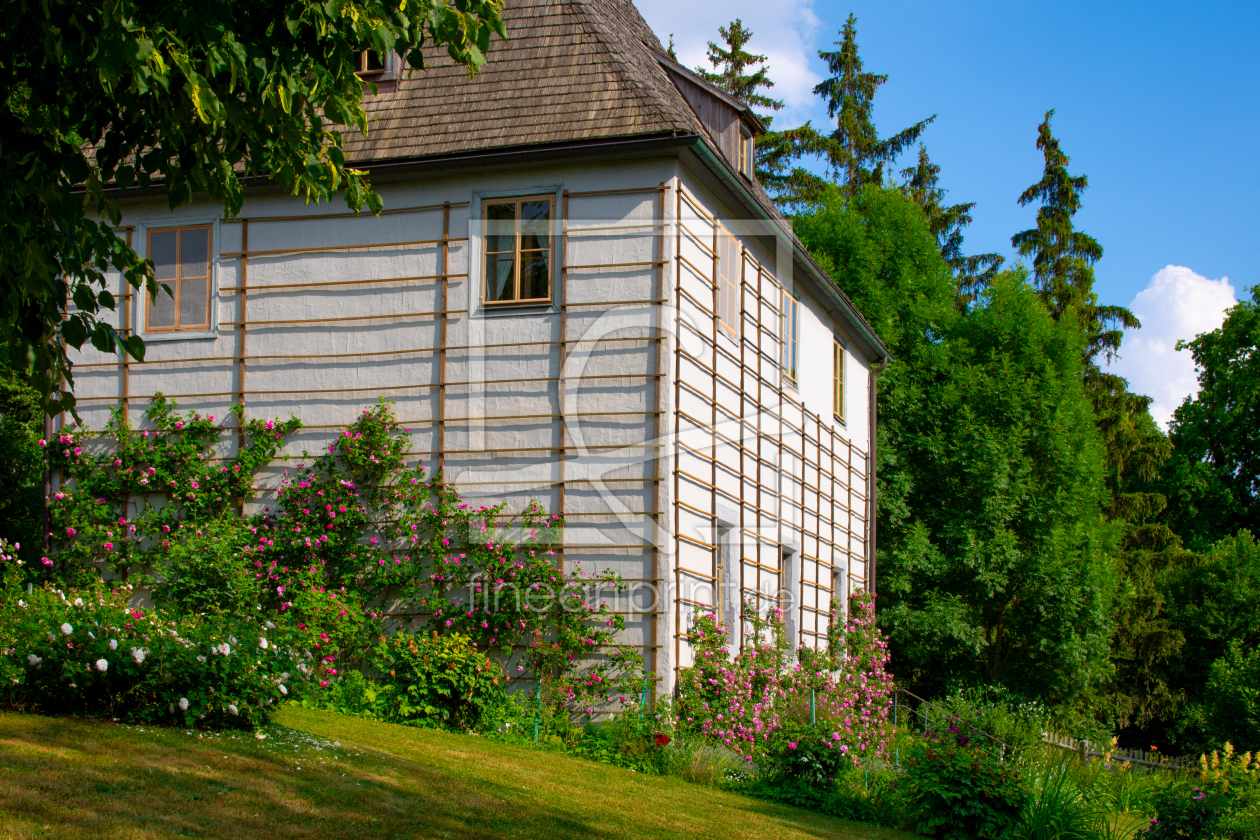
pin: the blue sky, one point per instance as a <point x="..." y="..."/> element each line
<point x="1157" y="102"/>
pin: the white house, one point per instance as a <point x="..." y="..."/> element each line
<point x="578" y="293"/>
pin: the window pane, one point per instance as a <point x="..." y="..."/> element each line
<point x="535" y="274"/>
<point x="374" y="61"/>
<point x="162" y="252"/>
<point x="162" y="313"/>
<point x="535" y="225"/>
<point x="499" y="279"/>
<point x="500" y="227"/>
<point x="193" y="306"/>
<point x="195" y="248"/>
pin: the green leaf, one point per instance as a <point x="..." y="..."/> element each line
<point x="134" y="346"/>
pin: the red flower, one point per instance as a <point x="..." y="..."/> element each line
<point x="662" y="739"/>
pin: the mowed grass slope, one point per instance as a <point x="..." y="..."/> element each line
<point x="64" y="778"/>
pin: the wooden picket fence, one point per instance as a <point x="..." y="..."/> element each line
<point x="1151" y="761"/>
<point x="911" y="708"/>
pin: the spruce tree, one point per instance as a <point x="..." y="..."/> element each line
<point x="1063" y="268"/>
<point x="856" y="155"/>
<point x="946" y="223"/>
<point x="731" y="64"/>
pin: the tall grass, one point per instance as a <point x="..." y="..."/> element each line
<point x="1074" y="801"/>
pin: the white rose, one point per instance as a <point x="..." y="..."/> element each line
<point x="201" y="659"/>
<point x="113" y="644"/>
<point x="33" y="659"/>
<point x="183" y="704"/>
<point x="232" y="708"/>
<point x="21" y="603"/>
<point x="262" y="643"/>
<point x="232" y="639"/>
<point x="138" y="655"/>
<point x="67" y="629"/>
<point x="283" y="690"/>
<point x="260" y="736"/>
<point x="78" y="602"/>
<point x="102" y="665"/>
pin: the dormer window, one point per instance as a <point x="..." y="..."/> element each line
<point x="370" y="64"/>
<point x="746" y="151"/>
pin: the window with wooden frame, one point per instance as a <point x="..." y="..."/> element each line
<point x="728" y="282"/>
<point x="746" y="151"/>
<point x="181" y="261"/>
<point x="370" y="63"/>
<point x="791" y="334"/>
<point x="837" y="388"/>
<point x="519" y="249"/>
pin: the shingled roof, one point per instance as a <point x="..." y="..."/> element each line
<point x="572" y="72"/>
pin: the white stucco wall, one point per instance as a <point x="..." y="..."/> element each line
<point x="333" y="324"/>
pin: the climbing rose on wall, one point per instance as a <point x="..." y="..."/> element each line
<point x="835" y="700"/>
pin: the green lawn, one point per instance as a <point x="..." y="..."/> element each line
<point x="327" y="776"/>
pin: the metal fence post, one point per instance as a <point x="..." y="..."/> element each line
<point x="812" y="718"/>
<point x="537" y="707"/>
<point x="643" y="703"/>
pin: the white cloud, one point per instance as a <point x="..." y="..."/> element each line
<point x="786" y="32"/>
<point x="1176" y="305"/>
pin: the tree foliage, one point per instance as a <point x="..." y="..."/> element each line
<point x="189" y="98"/>
<point x="1062" y="257"/>
<point x="854" y="153"/>
<point x="21" y="461"/>
<point x="1213" y="478"/>
<point x="947" y="223"/>
<point x="731" y="64"/>
<point x="994" y="556"/>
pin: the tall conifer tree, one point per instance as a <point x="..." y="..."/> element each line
<point x="731" y="64"/>
<point x="1063" y="267"/>
<point x="856" y="155"/>
<point x="1062" y="257"/>
<point x="854" y="152"/>
<point x="946" y="223"/>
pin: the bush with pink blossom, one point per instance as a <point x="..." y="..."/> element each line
<point x="799" y="715"/>
<point x="357" y="542"/>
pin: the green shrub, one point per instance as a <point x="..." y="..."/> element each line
<point x="624" y="740"/>
<point x="957" y="791"/>
<point x="805" y="752"/>
<point x="860" y="794"/>
<point x="700" y="762"/>
<point x="89" y="652"/>
<point x="435" y="680"/>
<point x="1188" y="813"/>
<point x="1237" y="779"/>
<point x="203" y="572"/>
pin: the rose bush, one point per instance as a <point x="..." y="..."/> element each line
<point x="800" y="715"/>
<point x="356" y="543"/>
<point x="90" y="652"/>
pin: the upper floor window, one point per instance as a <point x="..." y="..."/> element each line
<point x="838" y="382"/>
<point x="791" y="334"/>
<point x="519" y="249"/>
<point x="746" y="151"/>
<point x="370" y="63"/>
<point x="181" y="261"/>
<point x="728" y="282"/>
